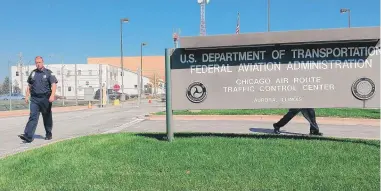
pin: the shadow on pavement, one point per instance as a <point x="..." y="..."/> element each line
<point x="34" y="137"/>
<point x="163" y="137"/>
<point x="38" y="137"/>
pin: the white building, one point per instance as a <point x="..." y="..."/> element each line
<point x="73" y="78"/>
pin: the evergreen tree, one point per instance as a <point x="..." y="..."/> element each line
<point x="4" y="89"/>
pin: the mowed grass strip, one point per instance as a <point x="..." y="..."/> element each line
<point x="320" y="112"/>
<point x="194" y="162"/>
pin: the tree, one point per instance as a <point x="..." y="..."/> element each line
<point x="4" y="89"/>
<point x="16" y="88"/>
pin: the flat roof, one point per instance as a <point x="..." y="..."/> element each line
<point x="282" y="37"/>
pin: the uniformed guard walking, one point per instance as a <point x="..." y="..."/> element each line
<point x="41" y="88"/>
<point x="308" y="113"/>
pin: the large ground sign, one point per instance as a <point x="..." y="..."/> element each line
<point x="316" y="73"/>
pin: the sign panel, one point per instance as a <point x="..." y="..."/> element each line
<point x="116" y="87"/>
<point x="316" y="75"/>
<point x="89" y="93"/>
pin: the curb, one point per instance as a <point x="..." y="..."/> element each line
<point x="270" y="118"/>
<point x="18" y="113"/>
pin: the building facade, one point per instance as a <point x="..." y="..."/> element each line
<point x="153" y="67"/>
<point x="74" y="78"/>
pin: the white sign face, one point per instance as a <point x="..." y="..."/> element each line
<point x="89" y="93"/>
<point x="325" y="75"/>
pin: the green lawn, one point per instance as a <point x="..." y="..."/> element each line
<point x="251" y="162"/>
<point x="320" y="112"/>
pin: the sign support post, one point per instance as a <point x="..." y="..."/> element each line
<point x="168" y="94"/>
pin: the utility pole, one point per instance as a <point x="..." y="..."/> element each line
<point x="76" y="84"/>
<point x="139" y="87"/>
<point x="268" y="15"/>
<point x="349" y="15"/>
<point x="62" y="82"/>
<point x="123" y="20"/>
<point x="154" y="84"/>
<point x="141" y="68"/>
<point x="10" y="85"/>
<point x="21" y="65"/>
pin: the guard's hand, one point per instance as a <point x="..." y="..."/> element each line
<point x="51" y="98"/>
<point x="26" y="99"/>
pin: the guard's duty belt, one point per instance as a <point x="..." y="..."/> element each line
<point x="41" y="95"/>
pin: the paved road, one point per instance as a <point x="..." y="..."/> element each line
<point x="72" y="124"/>
<point x="130" y="118"/>
<point x="229" y="126"/>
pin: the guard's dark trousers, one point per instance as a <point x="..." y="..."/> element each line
<point x="38" y="105"/>
<point x="308" y="113"/>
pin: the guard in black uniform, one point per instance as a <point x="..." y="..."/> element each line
<point x="308" y="113"/>
<point x="41" y="88"/>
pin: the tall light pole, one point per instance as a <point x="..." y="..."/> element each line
<point x="123" y="20"/>
<point x="141" y="67"/>
<point x="349" y="15"/>
<point x="268" y="15"/>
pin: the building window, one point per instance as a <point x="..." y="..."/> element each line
<point x="68" y="73"/>
<point x="136" y="86"/>
<point x="79" y="72"/>
<point x="58" y="72"/>
<point x="69" y="89"/>
<point x="90" y="72"/>
<point x="27" y="73"/>
<point x="17" y="73"/>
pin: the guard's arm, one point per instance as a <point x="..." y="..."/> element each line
<point x="27" y="91"/>
<point x="54" y="87"/>
<point x="53" y="81"/>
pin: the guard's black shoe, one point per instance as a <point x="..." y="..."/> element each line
<point x="276" y="129"/>
<point x="317" y="133"/>
<point x="25" y="138"/>
<point x="48" y="137"/>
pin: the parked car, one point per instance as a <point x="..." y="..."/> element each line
<point x="112" y="95"/>
<point x="163" y="97"/>
<point x="14" y="96"/>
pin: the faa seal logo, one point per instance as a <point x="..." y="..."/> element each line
<point x="196" y="92"/>
<point x="363" y="88"/>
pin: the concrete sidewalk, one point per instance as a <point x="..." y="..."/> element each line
<point x="271" y="118"/>
<point x="16" y="113"/>
<point x="72" y="124"/>
<point x="295" y="127"/>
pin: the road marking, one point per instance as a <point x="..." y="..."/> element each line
<point x="123" y="126"/>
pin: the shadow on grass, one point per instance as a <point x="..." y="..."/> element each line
<point x="295" y="136"/>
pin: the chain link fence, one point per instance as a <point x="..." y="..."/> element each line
<point x="11" y="90"/>
<point x="107" y="85"/>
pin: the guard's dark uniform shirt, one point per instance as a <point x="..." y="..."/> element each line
<point x="40" y="83"/>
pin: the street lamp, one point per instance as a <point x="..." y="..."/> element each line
<point x="123" y="20"/>
<point x="268" y="15"/>
<point x="141" y="66"/>
<point x="349" y="15"/>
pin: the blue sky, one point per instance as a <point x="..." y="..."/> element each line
<point x="76" y="29"/>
